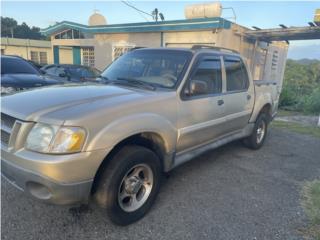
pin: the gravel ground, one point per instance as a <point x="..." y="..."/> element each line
<point x="229" y="193"/>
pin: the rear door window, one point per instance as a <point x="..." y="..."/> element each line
<point x="236" y="74"/>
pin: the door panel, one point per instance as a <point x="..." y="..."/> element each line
<point x="200" y="113"/>
<point x="239" y="97"/>
<point x="200" y="120"/>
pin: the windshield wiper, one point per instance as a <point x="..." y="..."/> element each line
<point x="135" y="82"/>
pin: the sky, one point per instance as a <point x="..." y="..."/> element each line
<point x="248" y="13"/>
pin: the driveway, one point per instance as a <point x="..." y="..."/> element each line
<point x="228" y="193"/>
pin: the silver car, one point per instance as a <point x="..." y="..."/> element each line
<point x="153" y="110"/>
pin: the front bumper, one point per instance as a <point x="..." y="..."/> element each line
<point x="57" y="179"/>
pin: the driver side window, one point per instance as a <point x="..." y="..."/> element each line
<point x="207" y="78"/>
<point x="51" y="70"/>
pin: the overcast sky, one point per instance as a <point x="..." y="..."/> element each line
<point x="248" y="13"/>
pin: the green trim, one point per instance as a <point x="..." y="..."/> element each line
<point x="176" y="25"/>
<point x="161" y="40"/>
<point x="76" y="52"/>
<point x="56" y="54"/>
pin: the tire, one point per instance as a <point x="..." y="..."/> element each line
<point x="256" y="140"/>
<point x="129" y="184"/>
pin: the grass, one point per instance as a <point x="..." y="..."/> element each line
<point x="298" y="128"/>
<point x="286" y="113"/>
<point x="311" y="205"/>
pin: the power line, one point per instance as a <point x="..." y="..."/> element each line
<point x="141" y="14"/>
<point x="137" y="9"/>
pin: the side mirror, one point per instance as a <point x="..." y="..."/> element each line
<point x="198" y="87"/>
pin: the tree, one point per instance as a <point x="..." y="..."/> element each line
<point x="10" y="28"/>
<point x="301" y="86"/>
<point x="7" y="26"/>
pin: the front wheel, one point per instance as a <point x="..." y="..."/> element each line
<point x="258" y="136"/>
<point x="129" y="184"/>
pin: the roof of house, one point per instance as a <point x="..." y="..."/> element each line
<point x="175" y="25"/>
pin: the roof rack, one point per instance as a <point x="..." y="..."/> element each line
<point x="197" y="47"/>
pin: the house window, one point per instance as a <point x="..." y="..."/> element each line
<point x="2" y="51"/>
<point x="88" y="56"/>
<point x="274" y="62"/>
<point x="120" y="50"/>
<point x="43" y="58"/>
<point x="34" y="56"/>
<point x="72" y="34"/>
<point x="39" y="57"/>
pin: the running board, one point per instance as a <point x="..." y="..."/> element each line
<point x="186" y="156"/>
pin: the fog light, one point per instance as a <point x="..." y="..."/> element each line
<point x="38" y="190"/>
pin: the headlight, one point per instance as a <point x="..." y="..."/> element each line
<point x="52" y="139"/>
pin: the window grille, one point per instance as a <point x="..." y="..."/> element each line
<point x="88" y="56"/>
<point x="120" y="50"/>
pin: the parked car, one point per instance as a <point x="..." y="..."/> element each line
<point x="73" y="73"/>
<point x="37" y="65"/>
<point x="157" y="109"/>
<point x="18" y="74"/>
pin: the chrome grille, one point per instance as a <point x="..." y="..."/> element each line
<point x="7" y="120"/>
<point x="7" y="123"/>
<point x="5" y="137"/>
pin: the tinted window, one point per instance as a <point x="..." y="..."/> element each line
<point x="237" y="77"/>
<point x="59" y="71"/>
<point x="209" y="73"/>
<point x="158" y="67"/>
<point x="80" y="72"/>
<point x="51" y="70"/>
<point x="16" y="66"/>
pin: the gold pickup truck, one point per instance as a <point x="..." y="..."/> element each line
<point x="151" y="110"/>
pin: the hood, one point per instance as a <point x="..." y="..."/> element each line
<point x="24" y="79"/>
<point x="31" y="105"/>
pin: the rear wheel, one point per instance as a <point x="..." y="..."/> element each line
<point x="129" y="184"/>
<point x="259" y="133"/>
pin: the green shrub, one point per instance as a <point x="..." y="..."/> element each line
<point x="301" y="87"/>
<point x="311" y="103"/>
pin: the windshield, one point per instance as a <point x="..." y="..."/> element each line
<point x="162" y="68"/>
<point x="17" y="66"/>
<point x="84" y="72"/>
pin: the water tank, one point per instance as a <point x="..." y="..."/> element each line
<point x="204" y="10"/>
<point x="317" y="17"/>
<point x="97" y="19"/>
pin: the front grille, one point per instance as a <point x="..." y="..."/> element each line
<point x="5" y="137"/>
<point x="7" y="123"/>
<point x="7" y="120"/>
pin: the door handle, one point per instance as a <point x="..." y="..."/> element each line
<point x="248" y="97"/>
<point x="220" y="102"/>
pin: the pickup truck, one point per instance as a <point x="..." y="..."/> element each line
<point x="152" y="110"/>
